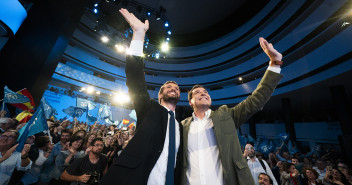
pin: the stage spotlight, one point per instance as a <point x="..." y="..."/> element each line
<point x="95" y="10"/>
<point x="168" y="38"/>
<point x="157" y="55"/>
<point x="98" y="92"/>
<point x="90" y="90"/>
<point x="158" y="16"/>
<point x="240" y="79"/>
<point x="165" y="47"/>
<point x="96" y="5"/>
<point x="149" y="13"/>
<point x="121" y="98"/>
<point x="105" y="39"/>
<point x="166" y="24"/>
<point x="169" y="32"/>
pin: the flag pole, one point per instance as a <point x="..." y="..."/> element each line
<point x="51" y="141"/>
<point x="3" y="105"/>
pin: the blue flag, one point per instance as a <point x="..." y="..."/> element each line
<point x="48" y="109"/>
<point x="74" y="111"/>
<point x="104" y="112"/>
<point x="83" y="103"/>
<point x="35" y="125"/>
<point x="90" y="118"/>
<point x="12" y="97"/>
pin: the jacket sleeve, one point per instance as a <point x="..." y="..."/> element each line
<point x="255" y="102"/>
<point x="136" y="84"/>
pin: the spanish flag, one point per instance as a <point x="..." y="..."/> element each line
<point x="24" y="116"/>
<point x="29" y="106"/>
<point x="125" y="121"/>
<point x="131" y="125"/>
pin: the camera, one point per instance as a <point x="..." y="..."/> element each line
<point x="94" y="178"/>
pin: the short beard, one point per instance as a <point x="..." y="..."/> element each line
<point x="172" y="100"/>
<point x="251" y="155"/>
<point x="96" y="153"/>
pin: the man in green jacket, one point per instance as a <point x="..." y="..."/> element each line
<point x="212" y="152"/>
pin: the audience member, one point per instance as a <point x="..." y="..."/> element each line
<point x="11" y="159"/>
<point x="264" y="179"/>
<point x="257" y="166"/>
<point x="289" y="175"/>
<point x="89" y="169"/>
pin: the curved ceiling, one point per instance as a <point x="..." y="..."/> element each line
<point x="192" y="22"/>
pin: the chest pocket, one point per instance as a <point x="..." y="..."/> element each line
<point x="227" y="124"/>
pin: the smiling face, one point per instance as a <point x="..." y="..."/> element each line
<point x="169" y="93"/>
<point x="77" y="144"/>
<point x="200" y="98"/>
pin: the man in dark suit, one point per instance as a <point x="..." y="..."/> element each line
<point x="212" y="152"/>
<point x="150" y="156"/>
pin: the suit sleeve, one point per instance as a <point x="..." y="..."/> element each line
<point x="136" y="84"/>
<point x="255" y="102"/>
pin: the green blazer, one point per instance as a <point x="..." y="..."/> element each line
<point x="226" y="121"/>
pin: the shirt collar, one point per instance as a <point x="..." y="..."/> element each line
<point x="256" y="159"/>
<point x="168" y="109"/>
<point x="207" y="114"/>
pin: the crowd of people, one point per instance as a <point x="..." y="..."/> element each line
<point x="82" y="153"/>
<point x="73" y="152"/>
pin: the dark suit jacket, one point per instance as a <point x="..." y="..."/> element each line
<point x="135" y="163"/>
<point x="226" y="121"/>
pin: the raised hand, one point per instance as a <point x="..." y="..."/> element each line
<point x="269" y="49"/>
<point x="25" y="150"/>
<point x="139" y="28"/>
<point x="8" y="153"/>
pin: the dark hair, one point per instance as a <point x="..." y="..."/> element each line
<point x="78" y="131"/>
<point x="95" y="140"/>
<point x="77" y="138"/>
<point x="42" y="141"/>
<point x="190" y="92"/>
<point x="270" y="180"/>
<point x="162" y="88"/>
<point x="294" y="158"/>
<point x="312" y="170"/>
<point x="67" y="131"/>
<point x="287" y="166"/>
<point x="343" y="177"/>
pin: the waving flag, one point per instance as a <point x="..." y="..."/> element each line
<point x="12" y="97"/>
<point x="74" y="111"/>
<point x="48" y="109"/>
<point x="29" y="106"/>
<point x="104" y="112"/>
<point x="35" y="125"/>
<point x="125" y="121"/>
<point x="292" y="148"/>
<point x="24" y="116"/>
<point x="91" y="118"/>
<point x="83" y="103"/>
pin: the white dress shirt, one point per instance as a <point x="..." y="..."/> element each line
<point x="204" y="167"/>
<point x="158" y="174"/>
<point x="256" y="168"/>
<point x="7" y="167"/>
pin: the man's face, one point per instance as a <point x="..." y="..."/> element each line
<point x="250" y="150"/>
<point x="97" y="148"/>
<point x="8" y="139"/>
<point x="264" y="180"/>
<point x="321" y="165"/>
<point x="170" y="93"/>
<point x="294" y="161"/>
<point x="200" y="98"/>
<point x="65" y="137"/>
<point x="286" y="155"/>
